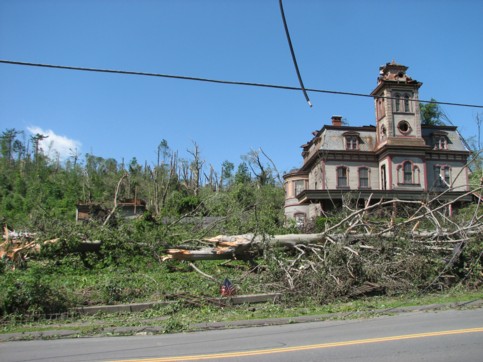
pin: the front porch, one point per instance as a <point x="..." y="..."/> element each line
<point x="334" y="199"/>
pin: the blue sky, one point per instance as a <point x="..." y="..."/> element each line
<point x="339" y="46"/>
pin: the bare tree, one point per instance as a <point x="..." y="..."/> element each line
<point x="116" y="194"/>
<point x="262" y="172"/>
<point x="195" y="167"/>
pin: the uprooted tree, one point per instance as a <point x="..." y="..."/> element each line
<point x="367" y="251"/>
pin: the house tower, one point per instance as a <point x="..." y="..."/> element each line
<point x="396" y="98"/>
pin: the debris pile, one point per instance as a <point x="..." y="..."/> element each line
<point x="369" y="251"/>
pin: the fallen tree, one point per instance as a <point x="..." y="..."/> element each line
<point x="17" y="247"/>
<point x="244" y="246"/>
<point x="359" y="254"/>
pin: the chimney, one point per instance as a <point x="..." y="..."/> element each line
<point x="337" y="121"/>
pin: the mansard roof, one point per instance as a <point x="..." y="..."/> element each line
<point x="326" y="128"/>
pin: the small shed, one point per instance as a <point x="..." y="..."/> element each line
<point x="126" y="208"/>
<point x="131" y="208"/>
<point x="90" y="211"/>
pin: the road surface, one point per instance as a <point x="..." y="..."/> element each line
<point x="452" y="335"/>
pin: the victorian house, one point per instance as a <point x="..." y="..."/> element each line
<point x="398" y="158"/>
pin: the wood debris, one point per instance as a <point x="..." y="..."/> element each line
<point x="17" y="246"/>
<point x="381" y="246"/>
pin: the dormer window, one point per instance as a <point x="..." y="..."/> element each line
<point x="352" y="140"/>
<point x="440" y="142"/>
<point x="352" y="143"/>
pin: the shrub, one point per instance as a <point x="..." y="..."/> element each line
<point x="29" y="293"/>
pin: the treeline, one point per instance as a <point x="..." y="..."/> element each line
<point x="356" y="253"/>
<point x="34" y="186"/>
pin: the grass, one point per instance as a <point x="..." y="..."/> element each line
<point x="176" y="317"/>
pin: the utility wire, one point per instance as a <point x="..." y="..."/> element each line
<point x="275" y="86"/>
<point x="293" y="54"/>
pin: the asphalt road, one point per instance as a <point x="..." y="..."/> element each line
<point x="452" y="335"/>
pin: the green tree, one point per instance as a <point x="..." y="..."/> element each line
<point x="432" y="114"/>
<point x="242" y="175"/>
<point x="36" y="139"/>
<point x="8" y="143"/>
<point x="226" y="173"/>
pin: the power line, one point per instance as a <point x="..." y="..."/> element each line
<point x="218" y="81"/>
<point x="293" y="54"/>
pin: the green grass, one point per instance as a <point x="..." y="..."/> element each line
<point x="176" y="317"/>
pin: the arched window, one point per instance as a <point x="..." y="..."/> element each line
<point x="408" y="172"/>
<point x="381" y="110"/>
<point x="442" y="176"/>
<point x="398" y="102"/>
<point x="447" y="175"/>
<point x="416" y="175"/>
<point x="438" y="182"/>
<point x="406" y="103"/>
<point x="342" y="177"/>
